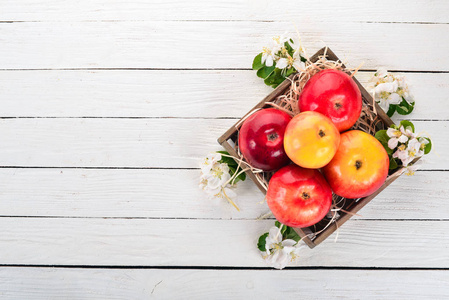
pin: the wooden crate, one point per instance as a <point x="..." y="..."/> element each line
<point x="351" y="206"/>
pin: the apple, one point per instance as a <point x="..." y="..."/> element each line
<point x="261" y="139"/>
<point x="334" y="94"/>
<point x="311" y="140"/>
<point x="359" y="167"/>
<point x="298" y="197"/>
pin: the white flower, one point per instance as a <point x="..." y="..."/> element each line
<point x="389" y="89"/>
<point x="213" y="181"/>
<point x="279" y="252"/>
<point x="408" y="131"/>
<point x="268" y="56"/>
<point x="289" y="61"/>
<point x="299" y="65"/>
<point x="282" y="63"/>
<point x="299" y="50"/>
<point x="279" y="41"/>
<point x="381" y="73"/>
<point x="209" y="161"/>
<point x="271" y="54"/>
<point x="385" y="94"/>
<point x="423" y="140"/>
<point x="410" y="170"/>
<point x="396" y="136"/>
<point x="408" y="153"/>
<point x="403" y="89"/>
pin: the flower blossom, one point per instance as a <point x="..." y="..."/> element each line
<point x="268" y="56"/>
<point x="408" y="153"/>
<point x="389" y="89"/>
<point x="280" y="252"/>
<point x="285" y="60"/>
<point x="396" y="137"/>
<point x="215" y="179"/>
<point x="410" y="170"/>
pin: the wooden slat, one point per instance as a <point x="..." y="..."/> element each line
<point x="358" y="11"/>
<point x="44" y="283"/>
<point x="208" y="94"/>
<point x="154" y="242"/>
<point x="159" y="44"/>
<point x="175" y="194"/>
<point x="172" y="143"/>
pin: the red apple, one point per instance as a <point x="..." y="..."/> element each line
<point x="298" y="197"/>
<point x="261" y="139"/>
<point x="334" y="94"/>
<point x="359" y="167"/>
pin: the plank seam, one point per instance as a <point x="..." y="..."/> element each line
<point x="147" y="168"/>
<point x="224" y="268"/>
<point x="203" y="219"/>
<point x="212" y="21"/>
<point x="199" y="69"/>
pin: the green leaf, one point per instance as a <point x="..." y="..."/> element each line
<point x="241" y="177"/>
<point x="289" y="48"/>
<point x="265" y="71"/>
<point x="290" y="233"/>
<point x="383" y="138"/>
<point x="393" y="164"/>
<point x="227" y="160"/>
<point x="232" y="164"/>
<point x="407" y="123"/>
<point x="428" y="146"/>
<point x="290" y="72"/>
<point x="257" y="62"/>
<point x="275" y="78"/>
<point x="261" y="244"/>
<point x="391" y="110"/>
<point x="405" y="108"/>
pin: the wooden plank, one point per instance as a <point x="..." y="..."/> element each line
<point x="155" y="193"/>
<point x="208" y="93"/>
<point x="45" y="283"/>
<point x="168" y="143"/>
<point x="157" y="242"/>
<point x="153" y="44"/>
<point x="95" y="10"/>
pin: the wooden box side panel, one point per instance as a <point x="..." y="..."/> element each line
<point x="354" y="204"/>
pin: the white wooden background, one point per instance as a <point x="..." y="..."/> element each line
<point x="107" y="106"/>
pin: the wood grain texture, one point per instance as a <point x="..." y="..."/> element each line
<point x="159" y="217"/>
<point x="175" y="194"/>
<point x="180" y="242"/>
<point x="143" y="143"/>
<point x="45" y="283"/>
<point x="153" y="44"/>
<point x="203" y="94"/>
<point x="95" y="10"/>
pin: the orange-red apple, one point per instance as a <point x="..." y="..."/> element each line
<point x="359" y="167"/>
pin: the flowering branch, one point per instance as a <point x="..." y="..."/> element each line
<point x="392" y="93"/>
<point x="403" y="145"/>
<point x="280" y="245"/>
<point x="279" y="60"/>
<point x="219" y="173"/>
